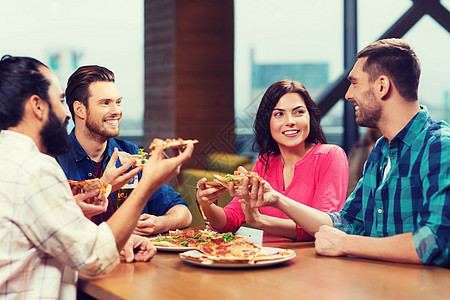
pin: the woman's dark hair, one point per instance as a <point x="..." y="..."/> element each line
<point x="395" y="59"/>
<point x="78" y="84"/>
<point x="264" y="142"/>
<point x="20" y="78"/>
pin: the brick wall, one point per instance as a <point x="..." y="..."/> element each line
<point x="189" y="80"/>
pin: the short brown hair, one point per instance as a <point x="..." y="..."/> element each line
<point x="395" y="59"/>
<point x="78" y="84"/>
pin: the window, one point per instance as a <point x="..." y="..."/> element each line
<point x="67" y="34"/>
<point x="303" y="40"/>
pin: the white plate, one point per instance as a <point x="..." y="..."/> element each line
<point x="171" y="248"/>
<point x="237" y="265"/>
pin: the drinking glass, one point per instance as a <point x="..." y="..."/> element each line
<point x="120" y="196"/>
<point x="200" y="209"/>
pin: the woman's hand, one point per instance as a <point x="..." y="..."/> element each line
<point x="207" y="195"/>
<point x="252" y="215"/>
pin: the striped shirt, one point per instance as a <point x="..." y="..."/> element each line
<point x="44" y="237"/>
<point x="414" y="196"/>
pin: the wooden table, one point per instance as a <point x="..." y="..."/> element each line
<point x="307" y="276"/>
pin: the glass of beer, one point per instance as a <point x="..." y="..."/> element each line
<point x="122" y="194"/>
<point x="200" y="209"/>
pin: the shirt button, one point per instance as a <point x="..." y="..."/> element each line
<point x="380" y="210"/>
<point x="90" y="174"/>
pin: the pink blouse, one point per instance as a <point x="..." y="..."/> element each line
<point x="320" y="181"/>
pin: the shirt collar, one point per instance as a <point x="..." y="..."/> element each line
<point x="409" y="133"/>
<point x="79" y="153"/>
<point x="77" y="150"/>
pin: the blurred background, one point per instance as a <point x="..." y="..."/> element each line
<point x="270" y="40"/>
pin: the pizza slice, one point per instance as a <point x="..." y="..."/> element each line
<point x="273" y="256"/>
<point x="236" y="178"/>
<point x="86" y="186"/>
<point x="170" y="143"/>
<point x="238" y="251"/>
<point x="125" y="157"/>
<point x="235" y="249"/>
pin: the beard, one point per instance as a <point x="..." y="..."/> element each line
<point x="369" y="113"/>
<point x="96" y="132"/>
<point x="54" y="135"/>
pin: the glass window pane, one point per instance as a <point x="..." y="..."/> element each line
<point x="295" y="39"/>
<point x="428" y="38"/>
<point x="67" y="34"/>
<point x="276" y="40"/>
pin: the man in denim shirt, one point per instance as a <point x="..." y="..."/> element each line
<point x="95" y="104"/>
<point x="400" y="209"/>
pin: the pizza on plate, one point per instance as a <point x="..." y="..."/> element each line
<point x="241" y="252"/>
<point x="192" y="239"/>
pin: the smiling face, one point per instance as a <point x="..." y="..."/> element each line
<point x="105" y="110"/>
<point x="360" y="92"/>
<point x="290" y="121"/>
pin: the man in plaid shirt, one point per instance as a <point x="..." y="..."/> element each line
<point x="400" y="208"/>
<point x="44" y="237"/>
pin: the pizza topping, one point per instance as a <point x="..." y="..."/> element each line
<point x="218" y="247"/>
<point x="178" y="238"/>
<point x="125" y="157"/>
<point x="236" y="178"/>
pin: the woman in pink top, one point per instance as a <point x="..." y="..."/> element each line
<point x="293" y="158"/>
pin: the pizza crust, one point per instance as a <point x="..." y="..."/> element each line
<point x="170" y="143"/>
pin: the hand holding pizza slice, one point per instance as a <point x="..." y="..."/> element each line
<point x="140" y="159"/>
<point x="236" y="178"/>
<point x="170" y="143"/>
<point x="91" y="196"/>
<point x="89" y="185"/>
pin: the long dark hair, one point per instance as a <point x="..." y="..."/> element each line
<point x="20" y="78"/>
<point x="264" y="142"/>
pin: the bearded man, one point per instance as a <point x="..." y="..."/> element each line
<point x="46" y="238"/>
<point x="96" y="107"/>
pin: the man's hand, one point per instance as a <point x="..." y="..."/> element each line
<point x="117" y="176"/>
<point x="90" y="210"/>
<point x="147" y="225"/>
<point x="138" y="248"/>
<point x="330" y="241"/>
<point x="159" y="169"/>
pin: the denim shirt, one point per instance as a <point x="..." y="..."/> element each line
<point x="77" y="165"/>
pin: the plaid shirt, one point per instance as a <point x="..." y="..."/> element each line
<point x="414" y="197"/>
<point x="44" y="236"/>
